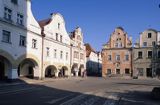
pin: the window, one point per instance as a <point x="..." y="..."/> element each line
<point x="118" y="57"/>
<point x="109" y="71"/>
<point x="14" y="1"/>
<point x="140" y="54"/>
<point x="22" y="41"/>
<point x="56" y="36"/>
<point x="81" y="56"/>
<point x="60" y="38"/>
<point x="109" y="57"/>
<point x="7" y="13"/>
<point x="144" y="44"/>
<point x="47" y="48"/>
<point x="34" y="43"/>
<point x="153" y="43"/>
<point x="55" y="53"/>
<point x="149" y="54"/>
<point x="127" y="71"/>
<point x="20" y="19"/>
<point x="140" y="71"/>
<point x="76" y="55"/>
<point x="6" y="36"/>
<point x="61" y="55"/>
<point x="119" y="45"/>
<point x="127" y="57"/>
<point x="158" y="54"/>
<point x="66" y="55"/>
<point x="149" y="35"/>
<point x="58" y="25"/>
<point x="116" y="45"/>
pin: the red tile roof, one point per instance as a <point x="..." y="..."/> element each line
<point x="43" y="23"/>
<point x="89" y="49"/>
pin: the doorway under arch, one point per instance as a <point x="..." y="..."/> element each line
<point x="27" y="68"/>
<point x="81" y="70"/>
<point x="63" y="72"/>
<point x="50" y="71"/>
<point x="5" y="67"/>
<point x="74" y="69"/>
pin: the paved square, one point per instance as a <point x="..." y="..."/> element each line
<point x="80" y="91"/>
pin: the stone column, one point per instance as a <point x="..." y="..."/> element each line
<point x="76" y="73"/>
<point x="13" y="74"/>
<point x="56" y="74"/>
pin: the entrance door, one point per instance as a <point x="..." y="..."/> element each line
<point x="2" y="71"/>
<point x="79" y="73"/>
<point x="149" y="72"/>
<point x="117" y="71"/>
<point x="49" y="73"/>
<point x="30" y="72"/>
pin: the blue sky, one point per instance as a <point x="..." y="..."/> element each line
<point x="99" y="18"/>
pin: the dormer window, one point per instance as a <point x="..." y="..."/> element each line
<point x="58" y="25"/>
<point x="60" y="38"/>
<point x="116" y="45"/>
<point x="149" y="35"/>
<point x="56" y="36"/>
<point x="14" y="1"/>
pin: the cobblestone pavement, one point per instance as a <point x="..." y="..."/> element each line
<point x="79" y="91"/>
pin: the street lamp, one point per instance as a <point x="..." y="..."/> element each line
<point x="98" y="62"/>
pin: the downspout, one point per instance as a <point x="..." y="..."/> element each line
<point x="71" y="58"/>
<point x="132" y="61"/>
<point x="43" y="35"/>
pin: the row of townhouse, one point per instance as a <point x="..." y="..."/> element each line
<point x="120" y="58"/>
<point x="37" y="49"/>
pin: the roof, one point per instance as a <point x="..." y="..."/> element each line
<point x="44" y="22"/>
<point x="89" y="49"/>
<point x="120" y="28"/>
<point x="150" y="29"/>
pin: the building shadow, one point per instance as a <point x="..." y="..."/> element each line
<point x="137" y="98"/>
<point x="33" y="94"/>
<point x="41" y="94"/>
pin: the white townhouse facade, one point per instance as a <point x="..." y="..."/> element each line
<point x="20" y="40"/>
<point x="56" y="47"/>
<point x="36" y="49"/>
<point x="78" y="53"/>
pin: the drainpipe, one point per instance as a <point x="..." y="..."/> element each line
<point x="43" y="35"/>
<point x="132" y="53"/>
<point x="71" y="58"/>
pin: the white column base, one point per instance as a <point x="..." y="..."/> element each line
<point x="56" y="74"/>
<point x="76" y="73"/>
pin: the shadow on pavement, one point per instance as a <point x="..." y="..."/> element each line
<point x="137" y="98"/>
<point x="33" y="94"/>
